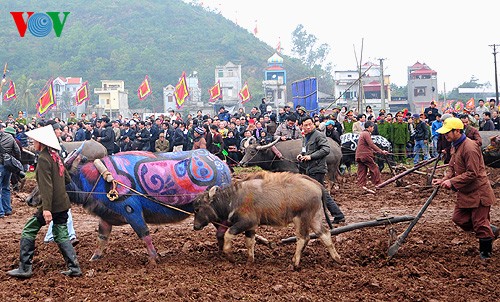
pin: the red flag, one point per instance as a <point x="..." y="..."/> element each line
<point x="144" y="89"/>
<point x="11" y="92"/>
<point x="82" y="94"/>
<point x="244" y="94"/>
<point x="46" y="101"/>
<point x="470" y="104"/>
<point x="255" y="30"/>
<point x="278" y="46"/>
<point x="181" y="91"/>
<point x="215" y="92"/>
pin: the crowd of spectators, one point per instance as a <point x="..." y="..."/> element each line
<point x="411" y="135"/>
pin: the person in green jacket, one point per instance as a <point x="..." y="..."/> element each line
<point x="348" y="122"/>
<point x="400" y="136"/>
<point x="385" y="127"/>
<point x="51" y="177"/>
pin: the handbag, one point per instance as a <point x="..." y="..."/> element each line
<point x="12" y="164"/>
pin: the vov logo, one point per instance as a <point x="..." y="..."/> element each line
<point x="39" y="24"/>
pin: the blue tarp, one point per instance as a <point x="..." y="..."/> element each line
<point x="305" y="93"/>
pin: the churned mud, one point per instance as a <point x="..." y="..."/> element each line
<point x="439" y="262"/>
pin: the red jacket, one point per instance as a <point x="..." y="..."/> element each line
<point x="366" y="147"/>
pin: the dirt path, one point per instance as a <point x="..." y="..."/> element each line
<point x="438" y="262"/>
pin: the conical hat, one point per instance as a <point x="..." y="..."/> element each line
<point x="46" y="136"/>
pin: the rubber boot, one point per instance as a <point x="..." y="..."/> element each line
<point x="69" y="254"/>
<point x="334" y="209"/>
<point x="26" y="253"/>
<point x="485" y="247"/>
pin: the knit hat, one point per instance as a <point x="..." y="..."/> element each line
<point x="199" y="130"/>
<point x="45" y="135"/>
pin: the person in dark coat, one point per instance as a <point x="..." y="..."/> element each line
<point x="431" y="112"/>
<point x="107" y="136"/>
<point x="315" y="148"/>
<point x="80" y="132"/>
<point x="142" y="137"/>
<point x="8" y="145"/>
<point x="215" y="142"/>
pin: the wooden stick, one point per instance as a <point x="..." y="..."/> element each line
<point x="401" y="239"/>
<point x="417" y="166"/>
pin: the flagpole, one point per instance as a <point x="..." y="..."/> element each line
<point x="4" y="80"/>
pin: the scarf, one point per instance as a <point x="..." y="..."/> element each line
<point x="57" y="159"/>
<point x="459" y="141"/>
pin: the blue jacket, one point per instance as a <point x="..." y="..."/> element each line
<point x="435" y="126"/>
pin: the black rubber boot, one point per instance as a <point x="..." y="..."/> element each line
<point x="485" y="247"/>
<point x="26" y="253"/>
<point x="69" y="254"/>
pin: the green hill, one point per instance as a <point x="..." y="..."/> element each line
<point x="128" y="39"/>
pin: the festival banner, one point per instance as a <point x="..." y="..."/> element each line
<point x="215" y="92"/>
<point x="82" y="94"/>
<point x="46" y="101"/>
<point x="144" y="89"/>
<point x="459" y="107"/>
<point x="470" y="104"/>
<point x="181" y="91"/>
<point x="244" y="94"/>
<point x="11" y="92"/>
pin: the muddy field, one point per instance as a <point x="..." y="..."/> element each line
<point x="439" y="262"/>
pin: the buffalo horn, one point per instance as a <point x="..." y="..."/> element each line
<point x="212" y="191"/>
<point x="73" y="155"/>
<point x="268" y="145"/>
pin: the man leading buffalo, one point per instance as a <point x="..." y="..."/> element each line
<point x="466" y="175"/>
<point x="315" y="148"/>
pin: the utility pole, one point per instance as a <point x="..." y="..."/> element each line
<point x="496" y="74"/>
<point x="382" y="83"/>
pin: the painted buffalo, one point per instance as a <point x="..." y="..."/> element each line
<point x="264" y="157"/>
<point x="152" y="188"/>
<point x="266" y="198"/>
<point x="349" y="143"/>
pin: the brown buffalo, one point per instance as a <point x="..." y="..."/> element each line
<point x="266" y="198"/>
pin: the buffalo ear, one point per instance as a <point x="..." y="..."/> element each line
<point x="212" y="191"/>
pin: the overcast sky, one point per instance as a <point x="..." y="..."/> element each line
<point x="451" y="37"/>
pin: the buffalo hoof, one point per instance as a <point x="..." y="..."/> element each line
<point x="96" y="257"/>
<point x="152" y="262"/>
<point x="230" y="257"/>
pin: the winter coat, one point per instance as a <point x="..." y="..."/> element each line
<point x="421" y="131"/>
<point x="318" y="148"/>
<point x="468" y="177"/>
<point x="52" y="186"/>
<point x="9" y="146"/>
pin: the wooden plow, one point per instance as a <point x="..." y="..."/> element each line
<point x="358" y="225"/>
